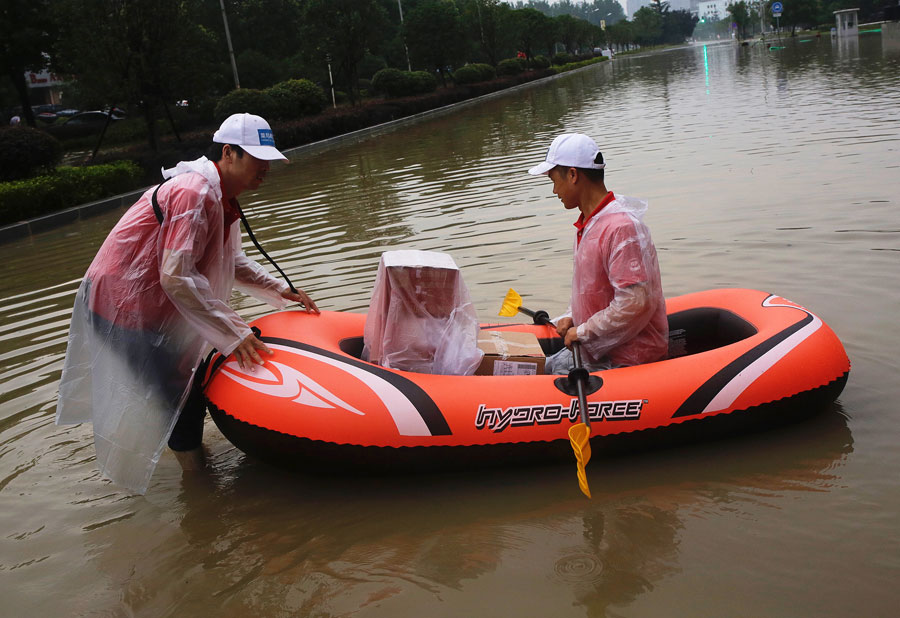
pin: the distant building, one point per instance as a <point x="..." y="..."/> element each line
<point x="713" y="10"/>
<point x="680" y="5"/>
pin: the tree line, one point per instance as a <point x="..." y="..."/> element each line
<point x="146" y="55"/>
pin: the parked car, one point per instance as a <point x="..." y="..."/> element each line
<point x="82" y="124"/>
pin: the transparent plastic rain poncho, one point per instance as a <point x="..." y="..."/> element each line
<point x="617" y="298"/>
<point x="420" y="317"/>
<point x="154" y="298"/>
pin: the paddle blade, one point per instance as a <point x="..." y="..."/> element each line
<point x="580" y="438"/>
<point x="511" y="304"/>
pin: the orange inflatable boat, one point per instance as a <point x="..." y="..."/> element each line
<point x="738" y="360"/>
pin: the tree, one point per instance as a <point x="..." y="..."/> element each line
<point x="740" y="15"/>
<point x="345" y="30"/>
<point x="280" y="22"/>
<point x="647" y="24"/>
<point x="26" y="33"/>
<point x="147" y="53"/>
<point x="621" y="34"/>
<point x="800" y="13"/>
<point x="533" y="28"/>
<point x="434" y="35"/>
<point x="567" y="28"/>
<point x="678" y="26"/>
<point x="491" y="22"/>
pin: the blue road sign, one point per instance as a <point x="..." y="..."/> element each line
<point x="777" y="7"/>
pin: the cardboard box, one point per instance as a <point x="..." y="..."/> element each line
<point x="508" y="353"/>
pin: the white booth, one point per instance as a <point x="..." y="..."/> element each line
<point x="847" y="22"/>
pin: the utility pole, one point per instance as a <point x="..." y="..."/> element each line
<point x="331" y="81"/>
<point x="237" y="82"/>
<point x="408" y="64"/>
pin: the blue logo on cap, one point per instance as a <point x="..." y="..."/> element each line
<point x="266" y="138"/>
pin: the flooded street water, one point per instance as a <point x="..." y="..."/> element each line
<point x="777" y="170"/>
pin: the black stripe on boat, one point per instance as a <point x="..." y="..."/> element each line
<point x="697" y="402"/>
<point x="424" y="405"/>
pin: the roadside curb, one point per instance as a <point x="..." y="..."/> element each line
<point x="23" y="229"/>
<point x="17" y="231"/>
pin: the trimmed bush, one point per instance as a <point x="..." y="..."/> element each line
<point x="577" y="65"/>
<point x="422" y="82"/>
<point x="296" y="98"/>
<point x="540" y="62"/>
<point x="473" y="73"/>
<point x="391" y="82"/>
<point x="563" y="58"/>
<point x="25" y="152"/>
<point x="511" y="66"/>
<point x="67" y="187"/>
<point x="244" y="100"/>
<point x="396" y="83"/>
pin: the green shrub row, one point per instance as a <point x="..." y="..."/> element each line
<point x="397" y="83"/>
<point x="73" y="186"/>
<point x="473" y="73"/>
<point x="293" y="98"/>
<point x="66" y="187"/>
<point x="511" y="66"/>
<point x="562" y="58"/>
<point x="581" y="63"/>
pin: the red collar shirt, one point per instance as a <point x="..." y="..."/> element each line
<point x="617" y="299"/>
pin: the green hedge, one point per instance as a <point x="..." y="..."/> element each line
<point x="577" y="65"/>
<point x="67" y="187"/>
<point x="396" y="83"/>
<point x="511" y="66"/>
<point x="245" y="100"/>
<point x="25" y="151"/>
<point x="295" y="98"/>
<point x="563" y="58"/>
<point x="473" y="73"/>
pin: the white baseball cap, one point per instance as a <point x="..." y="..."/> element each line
<point x="251" y="133"/>
<point x="570" y="150"/>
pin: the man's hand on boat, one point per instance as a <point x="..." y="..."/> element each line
<point x="247" y="352"/>
<point x="303" y="298"/>
<point x="565" y="327"/>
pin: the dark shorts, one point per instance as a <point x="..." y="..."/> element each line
<point x="144" y="355"/>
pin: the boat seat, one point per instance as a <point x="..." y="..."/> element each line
<point x="690" y="332"/>
<point x="705" y="328"/>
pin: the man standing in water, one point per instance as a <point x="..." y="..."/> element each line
<point x="156" y="296"/>
<point x="617" y="311"/>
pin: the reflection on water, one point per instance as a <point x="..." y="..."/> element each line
<point x="775" y="170"/>
<point x="262" y="541"/>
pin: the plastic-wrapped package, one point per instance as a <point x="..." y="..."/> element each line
<point x="421" y="318"/>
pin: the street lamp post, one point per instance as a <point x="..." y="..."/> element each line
<point x="408" y="64"/>
<point x="237" y="82"/>
<point x="331" y="81"/>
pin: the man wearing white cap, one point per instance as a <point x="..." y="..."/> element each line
<point x="617" y="311"/>
<point x="156" y="297"/>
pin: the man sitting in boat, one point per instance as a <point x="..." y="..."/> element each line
<point x="617" y="311"/>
